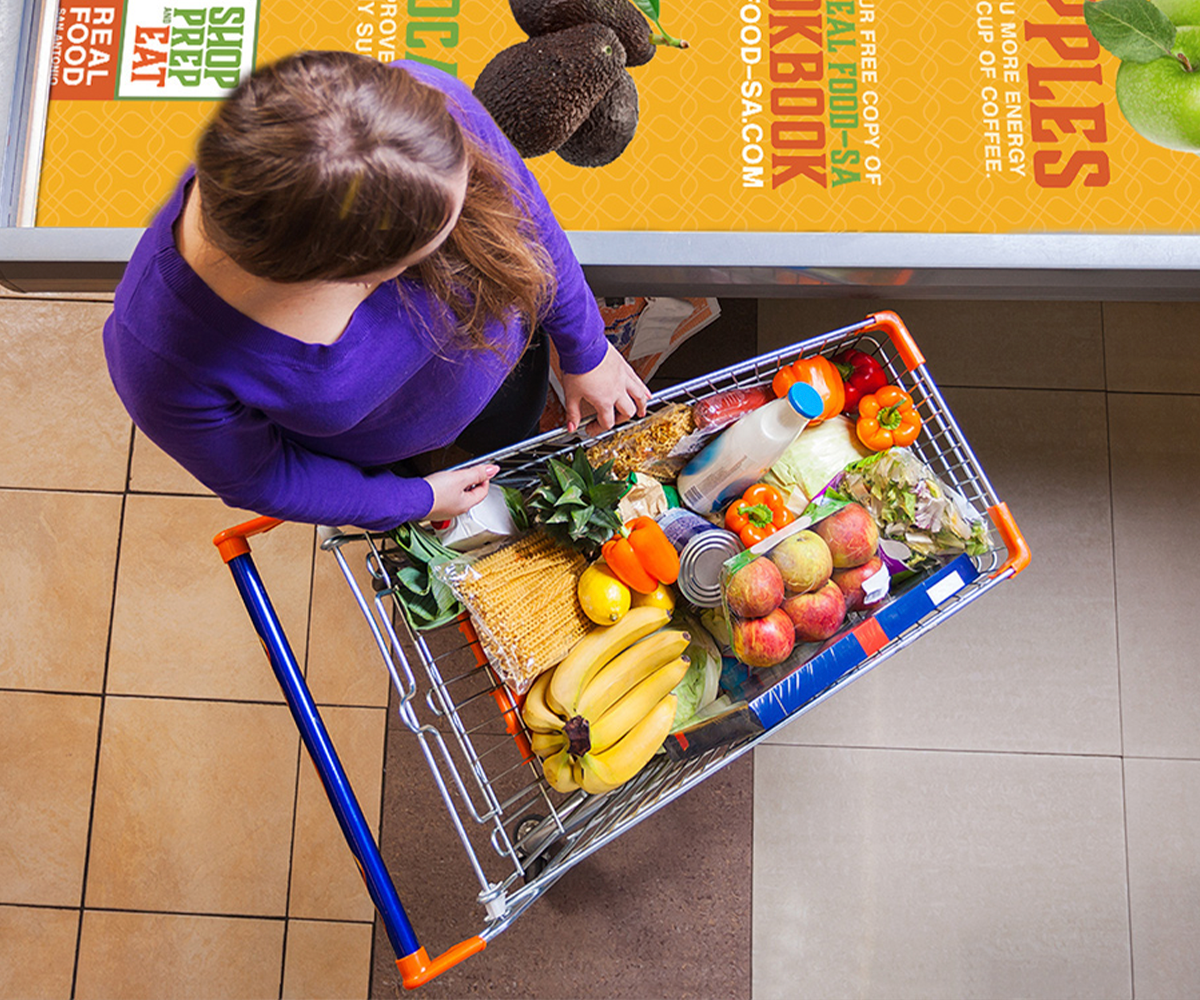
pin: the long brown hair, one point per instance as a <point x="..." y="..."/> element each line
<point x="331" y="165"/>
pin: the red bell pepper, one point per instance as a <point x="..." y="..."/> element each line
<point x="759" y="513"/>
<point x="641" y="556"/>
<point x="861" y="375"/>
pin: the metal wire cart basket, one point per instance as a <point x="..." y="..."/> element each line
<point x="519" y="836"/>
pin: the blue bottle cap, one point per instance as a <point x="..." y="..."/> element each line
<point x="805" y="400"/>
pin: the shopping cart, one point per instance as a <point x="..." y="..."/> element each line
<point x="518" y="834"/>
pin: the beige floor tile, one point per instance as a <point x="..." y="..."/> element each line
<point x="147" y="956"/>
<point x="345" y="666"/>
<point x="327" y="961"/>
<point x="57" y="585"/>
<point x="154" y="471"/>
<point x="1162" y="805"/>
<point x="39" y="952"/>
<point x="179" y="626"/>
<point x="1032" y="664"/>
<point x="194" y="804"/>
<point x="1042" y="345"/>
<point x="1155" y="451"/>
<point x="47" y="762"/>
<point x="62" y="424"/>
<point x="890" y="874"/>
<point x="1151" y="346"/>
<point x="326" y="884"/>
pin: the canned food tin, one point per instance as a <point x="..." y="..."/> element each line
<point x="700" y="565"/>
<point x="681" y="525"/>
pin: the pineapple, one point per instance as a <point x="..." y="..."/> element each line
<point x="577" y="504"/>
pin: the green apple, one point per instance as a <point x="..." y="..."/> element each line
<point x="1161" y="99"/>
<point x="1180" y="11"/>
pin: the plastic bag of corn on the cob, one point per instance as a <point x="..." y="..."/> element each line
<point x="521" y="596"/>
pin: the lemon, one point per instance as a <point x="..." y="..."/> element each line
<point x="603" y="597"/>
<point x="660" y="597"/>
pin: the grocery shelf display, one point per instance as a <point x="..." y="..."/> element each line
<point x="791" y="146"/>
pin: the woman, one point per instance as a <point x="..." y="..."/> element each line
<point x="348" y="275"/>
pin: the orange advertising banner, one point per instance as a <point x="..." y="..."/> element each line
<point x="981" y="116"/>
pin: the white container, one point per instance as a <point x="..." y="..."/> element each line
<point x="735" y="460"/>
<point x="488" y="521"/>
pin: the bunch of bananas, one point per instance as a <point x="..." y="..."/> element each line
<point x="603" y="712"/>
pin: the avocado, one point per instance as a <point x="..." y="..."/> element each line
<point x="540" y="91"/>
<point x="539" y="17"/>
<point x="606" y="132"/>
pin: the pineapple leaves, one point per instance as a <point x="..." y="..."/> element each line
<point x="576" y="503"/>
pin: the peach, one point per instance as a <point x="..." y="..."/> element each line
<point x="852" y="580"/>
<point x="851" y="534"/>
<point x="755" y="590"/>
<point x="765" y="641"/>
<point x="818" y="615"/>
<point x="804" y="560"/>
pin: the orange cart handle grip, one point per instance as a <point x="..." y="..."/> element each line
<point x="232" y="543"/>
<point x="901" y="339"/>
<point x="1014" y="541"/>
<point x="416" y="969"/>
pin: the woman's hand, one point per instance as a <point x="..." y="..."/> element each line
<point x="612" y="387"/>
<point x="456" y="491"/>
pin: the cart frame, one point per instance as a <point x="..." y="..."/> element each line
<point x="491" y="794"/>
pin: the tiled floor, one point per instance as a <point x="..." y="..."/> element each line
<point x="1009" y="808"/>
<point x="161" y="835"/>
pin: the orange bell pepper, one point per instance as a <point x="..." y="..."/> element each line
<point x="641" y="556"/>
<point x="819" y="372"/>
<point x="887" y="418"/>
<point x="759" y="513"/>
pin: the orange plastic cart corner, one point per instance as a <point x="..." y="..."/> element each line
<point x="416" y="969"/>
<point x="1018" y="549"/>
<point x="901" y="339"/>
<point x="232" y="543"/>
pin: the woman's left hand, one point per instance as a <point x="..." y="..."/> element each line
<point x="612" y="388"/>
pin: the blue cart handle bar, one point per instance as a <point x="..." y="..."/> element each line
<point x="414" y="964"/>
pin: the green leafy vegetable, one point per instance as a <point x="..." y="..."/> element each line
<point x="912" y="505"/>
<point x="427" y="602"/>
<point x="701" y="684"/>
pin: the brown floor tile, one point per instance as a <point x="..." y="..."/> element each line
<point x="1162" y="805"/>
<point x="327" y="961"/>
<point x="1042" y="345"/>
<point x="154" y="471"/>
<point x="1151" y="346"/>
<point x="58" y="582"/>
<point x="62" y="424"/>
<point x="326" y="884"/>
<point x="1155" y="479"/>
<point x="193" y="807"/>
<point x="345" y="665"/>
<point x="39" y="952"/>
<point x="47" y="761"/>
<point x="179" y="626"/>
<point x="902" y="874"/>
<point x="147" y="956"/>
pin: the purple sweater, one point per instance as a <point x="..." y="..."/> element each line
<point x="294" y="430"/>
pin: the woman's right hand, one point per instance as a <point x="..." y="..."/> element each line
<point x="456" y="491"/>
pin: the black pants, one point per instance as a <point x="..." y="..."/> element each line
<point x="513" y="413"/>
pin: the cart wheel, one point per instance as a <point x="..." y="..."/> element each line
<point x="536" y="866"/>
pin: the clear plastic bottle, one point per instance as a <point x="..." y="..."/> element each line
<point x="737" y="458"/>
